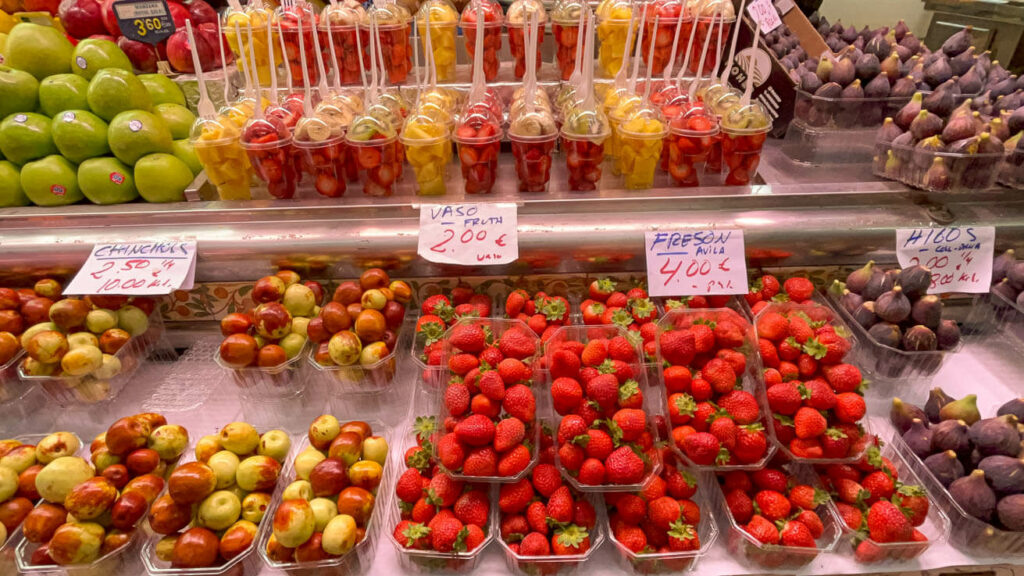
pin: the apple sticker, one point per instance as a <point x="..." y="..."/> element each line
<point x="68" y="117"/>
<point x="57" y="190"/>
<point x="81" y="63"/>
<point x="20" y="118"/>
<point x="135" y="125"/>
<point x="117" y="178"/>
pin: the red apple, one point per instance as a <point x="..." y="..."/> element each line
<point x="179" y="51"/>
<point x="201" y="13"/>
<point x="142" y="461"/>
<point x="317" y="288"/>
<point x="143" y="56"/>
<point x="239" y="350"/>
<point x="81" y="18"/>
<point x="50" y="6"/>
<point x="179" y="14"/>
<point x="110" y="19"/>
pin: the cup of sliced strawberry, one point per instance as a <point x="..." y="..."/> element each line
<point x="268" y="143"/>
<point x="493" y="20"/>
<point x="479" y="141"/>
<point x="691" y="137"/>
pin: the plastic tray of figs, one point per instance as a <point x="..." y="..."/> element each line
<point x="339" y="381"/>
<point x="967" y="533"/>
<point x="671" y="562"/>
<point x="247" y="562"/>
<point x="498" y="326"/>
<point x="936" y="171"/>
<point x="565" y="565"/>
<point x="775" y="557"/>
<point x="753" y="380"/>
<point x="818" y="146"/>
<point x="652" y="405"/>
<point x="1011" y="173"/>
<point x="88" y="390"/>
<point x="283" y="381"/>
<point x="842" y="114"/>
<point x="359" y="558"/>
<point x="935" y="527"/>
<point x="817" y="310"/>
<point x="413" y="561"/>
<point x="885" y="366"/>
<point x="1005" y="317"/>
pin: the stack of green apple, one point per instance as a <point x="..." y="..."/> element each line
<point x="76" y="123"/>
<point x="213" y="506"/>
<point x="81" y="342"/>
<point x="20" y="463"/>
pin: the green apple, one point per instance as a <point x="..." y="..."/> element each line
<point x="92" y="55"/>
<point x="135" y="133"/>
<point x="39" y="50"/>
<point x="162" y="178"/>
<point x="52" y="181"/>
<point x="162" y="89"/>
<point x="79" y="135"/>
<point x="112" y="91"/>
<point x="25" y="136"/>
<point x="178" y="119"/>
<point x="18" y="91"/>
<point x="107" y="180"/>
<point x="62" y="92"/>
<point x="184" y="151"/>
<point x="11" y="193"/>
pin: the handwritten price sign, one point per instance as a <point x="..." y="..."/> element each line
<point x="697" y="262"/>
<point x="137" y="269"/>
<point x="469" y="234"/>
<point x="960" y="258"/>
<point x="763" y="12"/>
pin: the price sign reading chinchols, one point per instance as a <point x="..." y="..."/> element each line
<point x="960" y="258"/>
<point x="146" y="21"/>
<point x="696" y="262"/>
<point x="469" y="234"/>
<point x="149" y="269"/>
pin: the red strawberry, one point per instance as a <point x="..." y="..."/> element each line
<point x="773" y="326"/>
<point x="806" y="448"/>
<point x="851" y="515"/>
<point x="677" y="347"/>
<point x="584" y="514"/>
<point x="514" y="461"/>
<point x="563" y="363"/>
<point x="410" y="486"/>
<point x="423" y="511"/>
<point x="724" y="429"/>
<point x="444" y="532"/>
<point x="484" y="406"/>
<point x="770" y="479"/>
<point x="799" y="330"/>
<point x="535" y="544"/>
<point x="570" y="427"/>
<point x="704" y="449"/>
<point x="813" y="522"/>
<point x="572" y="456"/>
<point x="728" y="333"/>
<point x="807" y="497"/>
<point x="570" y="540"/>
<point x="566" y="395"/>
<point x="492" y="386"/>
<point x="850" y="407"/>
<point x="806" y="366"/>
<point x="703" y="338"/>
<point x="795" y="533"/>
<point x="450" y="452"/>
<point x="412" y="535"/>
<point x="443" y="490"/>
<point x="784" y="398"/>
<point x="536" y="517"/>
<point x="473" y="507"/>
<point x="772" y="505"/>
<point x="763" y="530"/>
<point x="430" y="327"/>
<point x="720" y="374"/>
<point x="515" y="343"/>
<point x="886" y="523"/>
<point x="818" y="394"/>
<point x="623" y="466"/>
<point x="438" y="305"/>
<point x="850" y="491"/>
<point x="560" y="505"/>
<point x="513" y="527"/>
<point x="677" y="379"/>
<point x="515" y="303"/>
<point x="630" y="395"/>
<point x="520" y="403"/>
<point x="619" y="348"/>
<point x="632" y="423"/>
<point x="508" y="433"/>
<point x="546" y="479"/>
<point x="632" y="537"/>
<point x="829" y="347"/>
<point x="835" y="443"/>
<point x="461" y="364"/>
<point x="868" y="552"/>
<point x="843" y="377"/>
<point x="596" y="444"/>
<point x="592" y="472"/>
<point x="741" y="405"/>
<point x="740" y="505"/>
<point x="604" y="390"/>
<point x="617" y="300"/>
<point x="600" y="289"/>
<point x="681" y="408"/>
<point x="592" y="312"/>
<point x="769" y="286"/>
<point x="491" y="356"/>
<point x="769" y="354"/>
<point x="515" y="497"/>
<point x="662" y="512"/>
<point x="595" y="352"/>
<point x="809" y="423"/>
<point x="481" y="462"/>
<point x="456" y="399"/>
<point x="798" y="289"/>
<point x="879" y="485"/>
<point x="468" y="337"/>
<point x="475" y="430"/>
<point x="913" y="500"/>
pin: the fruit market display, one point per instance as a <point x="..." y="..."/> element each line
<point x="20" y="464"/>
<point x="328" y="508"/>
<point x="214" y="505"/>
<point x="20" y="309"/>
<point x="276" y="330"/>
<point x="440" y="311"/>
<point x="90" y="510"/>
<point x="1008" y="277"/>
<point x="631" y="309"/>
<point x="542" y="312"/>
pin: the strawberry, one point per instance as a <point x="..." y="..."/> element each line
<point x="829" y="348"/>
<point x="475" y="430"/>
<point x="508" y="433"/>
<point x="564" y="363"/>
<point x="817" y="394"/>
<point x="536" y="517"/>
<point x="583" y="514"/>
<point x="513" y="527"/>
<point x="438" y="305"/>
<point x="806" y="448"/>
<point x="790" y="350"/>
<point x="535" y="544"/>
<point x="835" y="444"/>
<point x="513" y="371"/>
<point x="703" y="338"/>
<point x="770" y="479"/>
<point x="491" y="357"/>
<point x="879" y="486"/>
<point x="700" y="389"/>
<point x="596" y="443"/>
<point x="886" y="523"/>
<point x="806" y="366"/>
<point x="592" y="472"/>
<point x="515" y="343"/>
<point x="481" y="462"/>
<point x="654" y="489"/>
<point x="546" y="479"/>
<point x="592" y="312"/>
<point x="624" y="466"/>
<point x="769" y="353"/>
<point x="677" y="379"/>
<point x="769" y="286"/>
<point x="720" y="375"/>
<point x="850" y="407"/>
<point x="443" y="490"/>
<point x="604" y="390"/>
<point x="799" y="330"/>
<point x="484" y="406"/>
<point x="663" y="512"/>
<point x="809" y="423"/>
<point x="456" y="399"/>
<point x="868" y="552"/>
<point x="473" y="507"/>
<point x="600" y="289"/>
<point x="430" y="327"/>
<point x="570" y="427"/>
<point x="560" y="505"/>
<point x="913" y="501"/>
<point x="520" y="403"/>
<point x="566" y="395"/>
<point x="631" y="422"/>
<point x="619" y="348"/>
<point x="630" y="395"/>
<point x="515" y="497"/>
<point x="515" y="303"/>
<point x="468" y="337"/>
<point x="409" y="487"/>
<point x="423" y="511"/>
<point x="444" y="533"/>
<point x="492" y="386"/>
<point x="796" y="533"/>
<point x="643" y="310"/>
<point x="677" y="347"/>
<point x="740" y="506"/>
<point x="784" y="398"/>
<point x="617" y="300"/>
<point x="632" y="537"/>
<point x="412" y="535"/>
<point x="843" y="377"/>
<point x="570" y="540"/>
<point x="741" y="405"/>
<point x="728" y="333"/>
<point x="595" y="352"/>
<point x="762" y="529"/>
<point x="851" y="515"/>
<point x="724" y="429"/>
<point x="450" y="452"/>
<point x="703" y="449"/>
<point x="681" y="408"/>
<point x="683" y="537"/>
<point x="571" y="456"/>
<point x="807" y="497"/>
<point x="772" y="325"/>
<point x="798" y="289"/>
<point x="850" y="491"/>
<point x="772" y="505"/>
<point x="514" y="461"/>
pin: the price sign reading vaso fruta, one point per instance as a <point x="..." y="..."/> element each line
<point x="146" y="21"/>
<point x="960" y="259"/>
<point x="149" y="269"/>
<point x="696" y="262"/>
<point x="469" y="234"/>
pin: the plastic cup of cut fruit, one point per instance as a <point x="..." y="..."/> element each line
<point x="478" y="137"/>
<point x="371" y="144"/>
<point x="565" y="27"/>
<point x="443" y="22"/>
<point x="494" y="18"/>
<point x="257" y="18"/>
<point x="613" y="22"/>
<point x="707" y="24"/>
<point x="428" y="149"/>
<point x="670" y="14"/>
<point x="533" y="136"/>
<point x="227" y="165"/>
<point x="584" y="134"/>
<point x="641" y="138"/>
<point x="289" y="18"/>
<point x="393" y="29"/>
<point x="321" y="150"/>
<point x="691" y="137"/>
<point x="744" y="130"/>
<point x="518" y="14"/>
<point x="344" y="18"/>
<point x="268" y="144"/>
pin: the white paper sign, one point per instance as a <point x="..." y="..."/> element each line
<point x="149" y="269"/>
<point x="696" y="262"/>
<point x="763" y="12"/>
<point x="960" y="258"/>
<point x="469" y="234"/>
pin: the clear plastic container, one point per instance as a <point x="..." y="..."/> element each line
<point x="394" y="29"/>
<point x="359" y="558"/>
<point x="344" y="18"/>
<point x="479" y="140"/>
<point x="338" y="381"/>
<point x="753" y="380"/>
<point x="291" y="20"/>
<point x="443" y="22"/>
<point x="414" y="561"/>
<point x="691" y="138"/>
<point x="744" y="130"/>
<point x="642" y="137"/>
<point x="493" y="20"/>
<point x="371" y="144"/>
<point x="515" y="21"/>
<point x="428" y="148"/>
<point x="565" y="28"/>
<point x="279" y="382"/>
<point x="966" y="533"/>
<point x="670" y="14"/>
<point x="11" y="387"/>
<point x="566" y="565"/>
<point x="532" y="156"/>
<point x="1011" y="173"/>
<point x="935" y="527"/>
<point x="497" y="327"/>
<point x="1001" y="316"/>
<point x="754" y="554"/>
<point x="217" y="146"/>
<point x="845" y="113"/>
<point x="713" y="16"/>
<point x="273" y="161"/>
<point x="70" y="391"/>
<point x="248" y="562"/>
<point x="419" y="342"/>
<point x="809" y="145"/>
<point x="673" y="562"/>
<point x="584" y="133"/>
<point x="613" y="23"/>
<point x="324" y="162"/>
<point x="652" y="404"/>
<point x="936" y="171"/>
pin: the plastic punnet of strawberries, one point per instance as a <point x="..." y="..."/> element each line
<point x="542" y="313"/>
<point x="878" y="508"/>
<point x="438" y="512"/>
<point x="716" y="422"/>
<point x="438" y="313"/>
<point x="604" y="437"/>
<point x="767" y="289"/>
<point x="489" y="408"/>
<point x="662" y="518"/>
<point x="632" y="310"/>
<point x="775" y="508"/>
<point x="541" y="516"/>
<point x="816" y="398"/>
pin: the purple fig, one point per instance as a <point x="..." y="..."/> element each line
<point x="904" y="87"/>
<point x="837" y="28"/>
<point x="809" y="82"/>
<point x="888" y="132"/>
<point x="903" y="414"/>
<point x="878" y="46"/>
<point x="879" y="87"/>
<point x="893" y="306"/>
<point x="849" y="35"/>
<point x="843" y="72"/>
<point x="970" y="81"/>
<point x="865" y="314"/>
<point x="937" y="177"/>
<point x="867" y="66"/>
<point x="1003" y="87"/>
<point x="996" y="436"/>
<point x="945" y="466"/>
<point x="918" y="438"/>
<point x="963" y="62"/>
<point x="925" y="150"/>
<point x="927" y="311"/>
<point x="829" y="90"/>
<point x="858" y="279"/>
<point x="915" y="280"/>
<point x="938" y="72"/>
<point x="989" y="144"/>
<point x="853" y="92"/>
<point x="959" y="127"/>
<point x="1004" y="289"/>
<point x="901" y="29"/>
<point x="940" y="102"/>
<point x="1003" y="473"/>
<point x="1002" y="263"/>
<point x="964" y="146"/>
<point x="973" y="494"/>
<point x="902" y="52"/>
<point x="1014" y="406"/>
<point x="912" y="42"/>
<point x="985" y="61"/>
<point x="851" y="300"/>
<point x="937" y="398"/>
<point x="1015" y="274"/>
<point x="890" y="65"/>
<point x="997" y="73"/>
<point x="950" y="433"/>
<point x="958" y="42"/>
<point x="926" y="125"/>
<point x="909" y="111"/>
<point x="877" y="284"/>
<point x="947" y="335"/>
<point x="919" y="339"/>
<point x="886" y="334"/>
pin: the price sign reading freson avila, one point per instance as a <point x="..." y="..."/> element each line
<point x="469" y="234"/>
<point x="149" y="269"/>
<point x="960" y="258"/>
<point x="696" y="262"/>
<point x="146" y="21"/>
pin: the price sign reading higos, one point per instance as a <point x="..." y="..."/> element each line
<point x="960" y="259"/>
<point x="469" y="234"/>
<point x="146" y="21"/>
<point x="764" y="13"/>
<point x="148" y="269"/>
<point x="696" y="262"/>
